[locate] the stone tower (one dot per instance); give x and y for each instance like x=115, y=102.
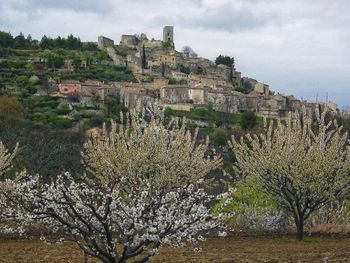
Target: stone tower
x=168, y=34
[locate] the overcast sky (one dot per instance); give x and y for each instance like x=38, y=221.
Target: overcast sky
x=299, y=47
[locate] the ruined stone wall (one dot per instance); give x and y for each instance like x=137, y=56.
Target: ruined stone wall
x=129, y=40
x=104, y=42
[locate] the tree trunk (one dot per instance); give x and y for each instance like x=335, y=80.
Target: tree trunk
x=300, y=229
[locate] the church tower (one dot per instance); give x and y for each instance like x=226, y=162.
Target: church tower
x=168, y=34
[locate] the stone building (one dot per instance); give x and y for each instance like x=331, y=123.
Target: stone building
x=218, y=100
x=168, y=59
x=95, y=92
x=179, y=76
x=211, y=81
x=129, y=40
x=253, y=100
x=224, y=72
x=227, y=101
x=104, y=42
x=261, y=88
x=168, y=34
x=70, y=88
x=249, y=84
x=137, y=98
x=293, y=104
x=174, y=94
x=197, y=95
x=272, y=106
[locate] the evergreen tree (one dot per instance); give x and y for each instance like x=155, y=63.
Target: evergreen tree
x=29, y=41
x=144, y=59
x=46, y=43
x=6, y=39
x=19, y=41
x=225, y=60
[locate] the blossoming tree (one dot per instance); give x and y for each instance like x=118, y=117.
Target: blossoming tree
x=5, y=158
x=143, y=187
x=301, y=164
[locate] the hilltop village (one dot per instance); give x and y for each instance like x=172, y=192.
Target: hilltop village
x=66, y=83
x=180, y=81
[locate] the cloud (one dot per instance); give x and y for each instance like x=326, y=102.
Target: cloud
x=296, y=46
x=224, y=18
x=33, y=6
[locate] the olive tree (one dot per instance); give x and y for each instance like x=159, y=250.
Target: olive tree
x=144, y=187
x=303, y=164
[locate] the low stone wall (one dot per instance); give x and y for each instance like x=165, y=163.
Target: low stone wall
x=180, y=107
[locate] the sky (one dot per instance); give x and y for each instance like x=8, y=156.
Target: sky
x=299, y=47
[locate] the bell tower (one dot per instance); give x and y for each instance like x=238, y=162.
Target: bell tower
x=168, y=34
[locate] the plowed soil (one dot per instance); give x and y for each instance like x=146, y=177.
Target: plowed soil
x=221, y=250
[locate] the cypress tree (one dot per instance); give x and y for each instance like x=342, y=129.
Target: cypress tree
x=144, y=59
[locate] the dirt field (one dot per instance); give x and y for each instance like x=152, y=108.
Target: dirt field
x=221, y=250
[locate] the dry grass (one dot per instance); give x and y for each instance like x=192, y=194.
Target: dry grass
x=219, y=250
x=330, y=229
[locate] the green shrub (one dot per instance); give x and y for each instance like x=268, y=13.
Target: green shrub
x=168, y=112
x=172, y=81
x=248, y=120
x=94, y=121
x=219, y=137
x=59, y=122
x=22, y=80
x=253, y=209
x=63, y=109
x=31, y=89
x=167, y=44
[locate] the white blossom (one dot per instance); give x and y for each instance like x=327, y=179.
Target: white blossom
x=143, y=187
x=302, y=164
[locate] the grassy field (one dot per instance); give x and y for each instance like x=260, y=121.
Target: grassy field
x=221, y=250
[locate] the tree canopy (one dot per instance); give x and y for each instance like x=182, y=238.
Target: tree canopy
x=225, y=60
x=20, y=42
x=302, y=164
x=144, y=187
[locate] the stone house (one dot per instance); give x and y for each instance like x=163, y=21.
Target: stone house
x=91, y=94
x=168, y=59
x=179, y=76
x=209, y=81
x=95, y=92
x=134, y=98
x=175, y=94
x=70, y=88
x=197, y=95
x=273, y=106
x=261, y=88
x=253, y=100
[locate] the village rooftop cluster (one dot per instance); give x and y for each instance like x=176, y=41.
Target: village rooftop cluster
x=180, y=81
